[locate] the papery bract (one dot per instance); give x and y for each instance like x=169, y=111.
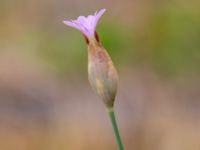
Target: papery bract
x=102, y=74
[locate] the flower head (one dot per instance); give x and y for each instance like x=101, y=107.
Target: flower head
x=87, y=25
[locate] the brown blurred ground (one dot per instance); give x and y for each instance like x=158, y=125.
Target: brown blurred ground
x=46, y=102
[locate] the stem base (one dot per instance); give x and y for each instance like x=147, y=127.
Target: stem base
x=115, y=128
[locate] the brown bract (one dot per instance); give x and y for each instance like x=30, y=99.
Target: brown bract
x=102, y=73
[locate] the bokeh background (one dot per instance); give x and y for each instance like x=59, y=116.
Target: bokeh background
x=46, y=102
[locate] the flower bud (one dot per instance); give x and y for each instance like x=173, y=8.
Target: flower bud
x=102, y=73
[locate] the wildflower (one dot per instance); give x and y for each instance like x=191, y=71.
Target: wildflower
x=102, y=73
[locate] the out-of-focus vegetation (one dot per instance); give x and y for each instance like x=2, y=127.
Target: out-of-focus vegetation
x=46, y=101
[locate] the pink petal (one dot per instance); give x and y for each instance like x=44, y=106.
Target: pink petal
x=87, y=25
x=98, y=15
x=72, y=24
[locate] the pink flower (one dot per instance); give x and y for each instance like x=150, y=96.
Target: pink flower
x=87, y=25
x=101, y=71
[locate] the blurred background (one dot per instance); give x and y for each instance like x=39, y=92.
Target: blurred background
x=46, y=102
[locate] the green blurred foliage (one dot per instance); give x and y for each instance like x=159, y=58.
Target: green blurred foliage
x=173, y=40
x=121, y=47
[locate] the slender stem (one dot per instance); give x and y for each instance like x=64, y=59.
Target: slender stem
x=115, y=128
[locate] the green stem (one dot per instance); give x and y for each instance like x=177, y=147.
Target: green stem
x=115, y=128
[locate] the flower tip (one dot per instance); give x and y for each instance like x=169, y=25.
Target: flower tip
x=99, y=13
x=67, y=22
x=102, y=10
x=64, y=21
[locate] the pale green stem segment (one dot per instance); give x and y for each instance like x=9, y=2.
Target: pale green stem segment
x=115, y=128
